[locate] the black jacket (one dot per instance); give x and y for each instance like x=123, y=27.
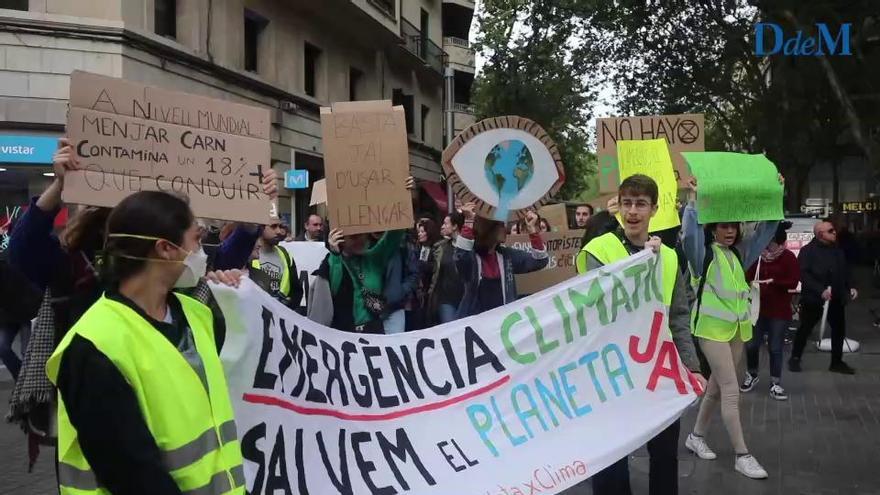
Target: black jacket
x=823, y=266
x=19, y=299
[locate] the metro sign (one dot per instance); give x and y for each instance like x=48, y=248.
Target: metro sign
x=296, y=179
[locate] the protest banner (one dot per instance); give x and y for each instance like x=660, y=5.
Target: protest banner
x=556, y=215
x=651, y=157
x=503, y=165
x=543, y=392
x=562, y=247
x=735, y=187
x=129, y=137
x=308, y=257
x=366, y=159
x=685, y=132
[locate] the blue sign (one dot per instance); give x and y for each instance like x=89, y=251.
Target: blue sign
x=801, y=45
x=296, y=179
x=27, y=149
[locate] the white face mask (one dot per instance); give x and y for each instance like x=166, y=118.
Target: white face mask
x=195, y=265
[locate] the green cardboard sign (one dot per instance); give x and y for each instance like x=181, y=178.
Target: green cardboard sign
x=735, y=187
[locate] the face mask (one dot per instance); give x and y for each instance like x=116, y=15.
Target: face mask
x=195, y=263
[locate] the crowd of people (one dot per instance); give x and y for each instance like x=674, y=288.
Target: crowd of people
x=112, y=290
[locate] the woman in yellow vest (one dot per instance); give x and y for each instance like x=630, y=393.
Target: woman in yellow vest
x=143, y=403
x=718, y=256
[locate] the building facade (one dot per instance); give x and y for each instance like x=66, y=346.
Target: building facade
x=290, y=56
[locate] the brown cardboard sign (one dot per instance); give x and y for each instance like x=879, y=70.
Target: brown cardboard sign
x=684, y=132
x=129, y=137
x=562, y=247
x=556, y=215
x=504, y=165
x=366, y=158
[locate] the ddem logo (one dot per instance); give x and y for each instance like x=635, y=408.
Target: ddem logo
x=803, y=45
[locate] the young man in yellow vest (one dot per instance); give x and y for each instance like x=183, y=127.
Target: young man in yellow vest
x=637, y=202
x=274, y=269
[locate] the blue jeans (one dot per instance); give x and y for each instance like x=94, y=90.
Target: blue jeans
x=7, y=356
x=446, y=312
x=774, y=329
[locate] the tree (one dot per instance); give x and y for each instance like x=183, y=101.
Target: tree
x=531, y=72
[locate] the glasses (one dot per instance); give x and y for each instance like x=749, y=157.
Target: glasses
x=640, y=205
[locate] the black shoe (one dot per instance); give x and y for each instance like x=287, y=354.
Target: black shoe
x=794, y=365
x=842, y=368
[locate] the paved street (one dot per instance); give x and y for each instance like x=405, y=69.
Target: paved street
x=823, y=441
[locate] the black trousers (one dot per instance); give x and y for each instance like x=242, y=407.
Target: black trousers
x=663, y=477
x=810, y=314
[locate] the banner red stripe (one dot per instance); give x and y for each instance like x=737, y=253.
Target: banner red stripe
x=317, y=411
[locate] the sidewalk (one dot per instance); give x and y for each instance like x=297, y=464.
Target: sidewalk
x=822, y=441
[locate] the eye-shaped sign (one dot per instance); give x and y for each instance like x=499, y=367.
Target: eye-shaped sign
x=503, y=165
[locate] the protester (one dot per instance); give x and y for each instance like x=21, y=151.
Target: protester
x=716, y=255
x=601, y=223
x=486, y=266
x=581, y=214
x=129, y=403
x=312, y=229
x=19, y=301
x=348, y=291
x=825, y=279
x=637, y=198
x=445, y=288
x=777, y=274
x=427, y=236
x=280, y=276
x=544, y=225
x=400, y=285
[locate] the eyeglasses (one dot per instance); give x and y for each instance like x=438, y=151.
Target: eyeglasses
x=640, y=205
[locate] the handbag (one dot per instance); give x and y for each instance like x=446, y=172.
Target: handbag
x=755, y=296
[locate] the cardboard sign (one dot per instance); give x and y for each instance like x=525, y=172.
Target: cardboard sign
x=533, y=397
x=130, y=137
x=319, y=193
x=367, y=163
x=504, y=165
x=562, y=247
x=735, y=187
x=684, y=132
x=651, y=157
x=556, y=216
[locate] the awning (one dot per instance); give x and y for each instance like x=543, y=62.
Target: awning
x=437, y=193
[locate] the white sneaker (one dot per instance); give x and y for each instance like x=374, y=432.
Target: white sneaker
x=748, y=382
x=749, y=467
x=698, y=446
x=777, y=392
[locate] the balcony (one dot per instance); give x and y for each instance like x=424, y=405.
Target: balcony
x=459, y=54
x=470, y=4
x=423, y=48
x=462, y=117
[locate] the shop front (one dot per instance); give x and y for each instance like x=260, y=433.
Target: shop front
x=25, y=171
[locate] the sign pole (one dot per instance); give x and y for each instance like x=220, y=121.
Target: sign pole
x=449, y=92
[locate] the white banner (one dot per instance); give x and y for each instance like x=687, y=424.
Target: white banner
x=533, y=397
x=308, y=257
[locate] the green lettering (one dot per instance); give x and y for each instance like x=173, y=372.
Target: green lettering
x=511, y=320
x=619, y=297
x=543, y=346
x=566, y=318
x=635, y=272
x=595, y=296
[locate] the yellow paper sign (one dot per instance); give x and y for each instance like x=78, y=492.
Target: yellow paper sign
x=651, y=157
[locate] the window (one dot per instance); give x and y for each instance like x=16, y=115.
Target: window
x=387, y=7
x=355, y=77
x=311, y=61
x=253, y=27
x=165, y=19
x=398, y=97
x=14, y=4
x=424, y=27
x=425, y=111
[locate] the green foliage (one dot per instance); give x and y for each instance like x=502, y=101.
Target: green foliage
x=531, y=72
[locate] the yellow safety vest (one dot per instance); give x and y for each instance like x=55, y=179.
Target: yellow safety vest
x=724, y=305
x=608, y=248
x=194, y=428
x=284, y=287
